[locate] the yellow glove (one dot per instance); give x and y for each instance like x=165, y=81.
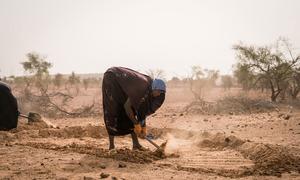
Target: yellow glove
x=137, y=129
x=144, y=132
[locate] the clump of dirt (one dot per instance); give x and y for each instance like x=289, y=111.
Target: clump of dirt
x=161, y=151
x=230, y=104
x=23, y=126
x=23, y=131
x=243, y=104
x=6, y=137
x=198, y=107
x=42, y=129
x=124, y=154
x=219, y=141
x=74, y=132
x=268, y=159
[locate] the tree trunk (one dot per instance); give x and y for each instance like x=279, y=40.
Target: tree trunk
x=273, y=98
x=273, y=95
x=275, y=91
x=295, y=94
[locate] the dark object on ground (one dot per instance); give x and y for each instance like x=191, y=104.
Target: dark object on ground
x=160, y=150
x=102, y=166
x=122, y=165
x=8, y=108
x=104, y=175
x=32, y=117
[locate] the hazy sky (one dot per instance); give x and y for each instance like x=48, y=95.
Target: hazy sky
x=88, y=36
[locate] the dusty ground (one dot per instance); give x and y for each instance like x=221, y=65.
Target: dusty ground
x=215, y=146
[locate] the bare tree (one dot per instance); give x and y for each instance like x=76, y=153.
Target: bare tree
x=211, y=76
x=58, y=80
x=196, y=82
x=201, y=79
x=156, y=73
x=227, y=81
x=74, y=81
x=86, y=83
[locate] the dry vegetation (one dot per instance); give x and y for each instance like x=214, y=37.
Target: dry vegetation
x=217, y=127
x=224, y=136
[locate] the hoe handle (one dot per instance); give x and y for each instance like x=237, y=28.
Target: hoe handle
x=24, y=116
x=153, y=143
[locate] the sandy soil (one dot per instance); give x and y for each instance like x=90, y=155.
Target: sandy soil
x=216, y=146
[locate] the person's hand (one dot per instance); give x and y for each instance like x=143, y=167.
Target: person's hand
x=137, y=129
x=143, y=132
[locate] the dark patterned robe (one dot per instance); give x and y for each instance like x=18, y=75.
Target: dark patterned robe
x=8, y=108
x=118, y=85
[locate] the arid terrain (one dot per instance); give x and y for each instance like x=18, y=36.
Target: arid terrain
x=243, y=144
x=222, y=75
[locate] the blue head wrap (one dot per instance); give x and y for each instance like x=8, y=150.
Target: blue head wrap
x=158, y=84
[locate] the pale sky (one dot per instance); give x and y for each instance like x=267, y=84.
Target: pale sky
x=89, y=36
